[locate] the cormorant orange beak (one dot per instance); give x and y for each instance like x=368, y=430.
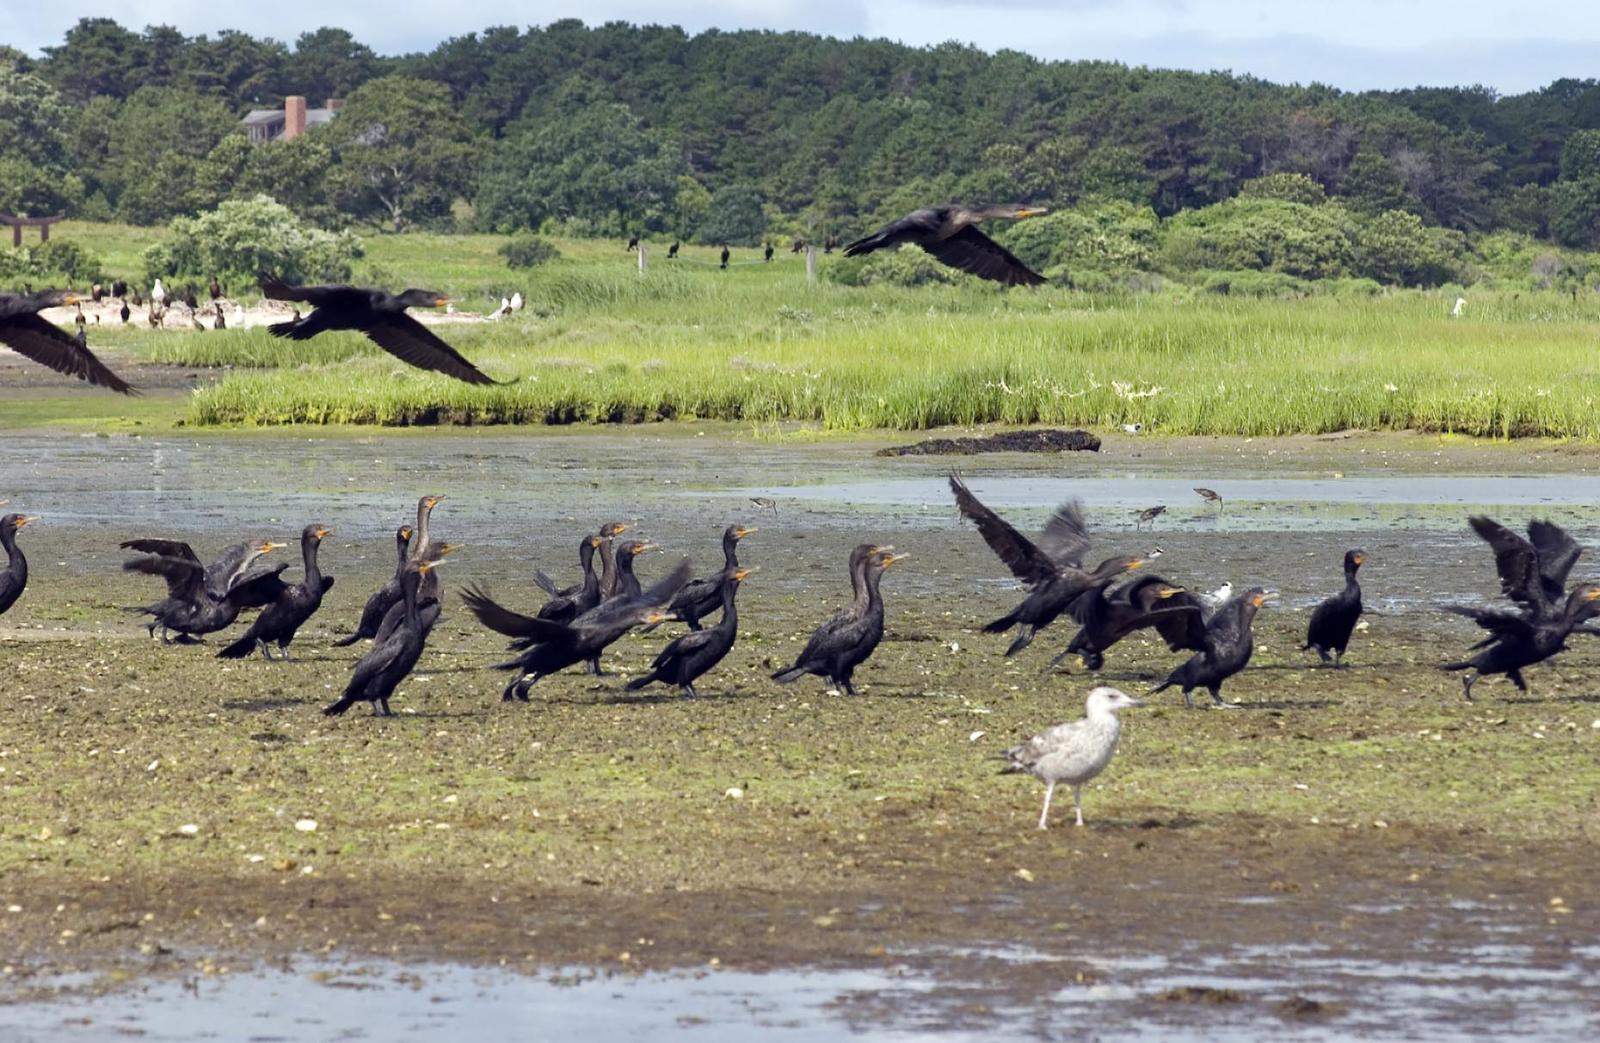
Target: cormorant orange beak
x=656, y=617
x=71, y=298
x=740, y=574
x=25, y=520
x=405, y=530
x=891, y=559
x=1361, y=559
x=440, y=302
x=323, y=534
x=447, y=549
x=1262, y=599
x=1167, y=592
x=640, y=548
x=1136, y=563
x=595, y=541
x=741, y=532
x=1033, y=211
x=433, y=501
x=1592, y=595
x=269, y=546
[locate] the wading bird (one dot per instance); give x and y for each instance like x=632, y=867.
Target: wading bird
x=848, y=639
x=693, y=655
x=1149, y=514
x=1074, y=752
x=1533, y=571
x=950, y=233
x=1209, y=496
x=1051, y=569
x=672, y=251
x=25, y=332
x=391, y=660
x=14, y=577
x=1228, y=647
x=291, y=606
x=386, y=597
x=725, y=256
x=381, y=316
x=1334, y=620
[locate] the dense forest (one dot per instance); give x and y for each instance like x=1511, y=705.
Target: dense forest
x=733, y=136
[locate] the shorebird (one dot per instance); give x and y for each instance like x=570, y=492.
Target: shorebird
x=1209, y=496
x=766, y=503
x=1150, y=514
x=1074, y=752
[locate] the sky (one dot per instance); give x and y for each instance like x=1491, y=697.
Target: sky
x=1353, y=44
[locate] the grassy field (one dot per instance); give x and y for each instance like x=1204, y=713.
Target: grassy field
x=599, y=342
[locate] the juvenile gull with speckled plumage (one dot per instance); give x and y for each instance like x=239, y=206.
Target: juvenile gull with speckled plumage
x=1074, y=752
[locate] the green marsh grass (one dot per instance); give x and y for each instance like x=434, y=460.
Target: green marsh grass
x=599, y=342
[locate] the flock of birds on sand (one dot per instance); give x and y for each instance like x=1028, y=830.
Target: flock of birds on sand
x=579, y=622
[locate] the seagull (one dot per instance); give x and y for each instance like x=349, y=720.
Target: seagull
x=504, y=309
x=516, y=300
x=1216, y=599
x=1210, y=496
x=1133, y=429
x=1461, y=302
x=1074, y=752
x=157, y=294
x=1150, y=514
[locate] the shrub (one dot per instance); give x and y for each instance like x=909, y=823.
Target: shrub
x=528, y=251
x=909, y=266
x=244, y=237
x=1255, y=284
x=70, y=259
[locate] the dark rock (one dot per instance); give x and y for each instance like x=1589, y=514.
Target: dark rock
x=1050, y=440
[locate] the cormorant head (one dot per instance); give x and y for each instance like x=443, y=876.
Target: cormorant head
x=315, y=532
x=1166, y=591
x=610, y=529
x=1259, y=597
x=405, y=533
x=1355, y=559
x=887, y=558
x=423, y=299
x=1029, y=211
x=739, y=532
x=634, y=548
x=444, y=550
x=592, y=542
x=17, y=522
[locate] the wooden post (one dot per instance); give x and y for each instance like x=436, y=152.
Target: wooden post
x=16, y=236
x=19, y=223
x=811, y=263
x=641, y=258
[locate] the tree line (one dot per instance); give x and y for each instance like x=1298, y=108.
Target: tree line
x=733, y=136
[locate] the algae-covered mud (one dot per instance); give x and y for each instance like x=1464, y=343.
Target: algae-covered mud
x=188, y=847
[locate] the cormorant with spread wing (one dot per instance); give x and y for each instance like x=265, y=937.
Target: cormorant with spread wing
x=25, y=332
x=950, y=233
x=381, y=316
x=1106, y=620
x=1052, y=569
x=1228, y=647
x=202, y=599
x=290, y=608
x=1519, y=639
x=1533, y=571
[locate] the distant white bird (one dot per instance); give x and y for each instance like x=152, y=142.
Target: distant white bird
x=516, y=300
x=1216, y=599
x=238, y=316
x=1074, y=752
x=1133, y=429
x=158, y=294
x=1461, y=302
x=504, y=309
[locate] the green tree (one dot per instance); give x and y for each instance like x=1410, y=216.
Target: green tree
x=153, y=148
x=735, y=218
x=1580, y=156
x=1290, y=188
x=1396, y=248
x=691, y=202
x=590, y=159
x=1371, y=185
x=1575, y=213
x=1243, y=234
x=328, y=63
x=403, y=156
x=244, y=237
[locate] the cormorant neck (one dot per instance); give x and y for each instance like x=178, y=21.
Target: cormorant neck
x=730, y=614
x=730, y=551
x=402, y=549
x=308, y=555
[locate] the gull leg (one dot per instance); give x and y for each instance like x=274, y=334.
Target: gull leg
x=1044, y=816
x=1077, y=802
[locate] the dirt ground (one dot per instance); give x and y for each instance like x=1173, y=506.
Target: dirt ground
x=158, y=803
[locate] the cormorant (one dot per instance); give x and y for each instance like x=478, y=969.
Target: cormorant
x=725, y=256
x=25, y=332
x=766, y=255
x=1105, y=621
x=201, y=599
x=1074, y=752
x=1210, y=496
x=950, y=233
x=125, y=311
x=292, y=606
x=119, y=288
x=216, y=289
x=1533, y=571
x=388, y=662
x=1334, y=620
x=381, y=316
x=694, y=654
x=830, y=244
x=14, y=577
x=1052, y=569
x=797, y=246
x=549, y=647
x=387, y=596
x=701, y=597
x=850, y=637
x=190, y=299
x=633, y=242
x=1150, y=514
x=96, y=292
x=1519, y=639
x=1228, y=648
x=672, y=251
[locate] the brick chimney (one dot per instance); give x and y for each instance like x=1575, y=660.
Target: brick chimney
x=294, y=116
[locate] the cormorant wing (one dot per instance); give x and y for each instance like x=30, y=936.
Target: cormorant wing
x=411, y=342
x=260, y=588
x=1514, y=558
x=1065, y=537
x=683, y=646
x=1026, y=561
x=275, y=289
x=49, y=345
x=512, y=624
x=229, y=566
x=1226, y=627
x=975, y=253
x=546, y=584
x=640, y=605
x=1501, y=623
x=912, y=228
x=165, y=548
x=1558, y=552
x=184, y=577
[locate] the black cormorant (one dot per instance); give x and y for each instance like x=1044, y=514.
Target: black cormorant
x=389, y=661
x=387, y=596
x=1229, y=645
x=14, y=577
x=1519, y=639
x=1334, y=620
x=291, y=608
x=201, y=599
x=693, y=654
x=25, y=332
x=850, y=637
x=701, y=597
x=381, y=316
x=950, y=233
